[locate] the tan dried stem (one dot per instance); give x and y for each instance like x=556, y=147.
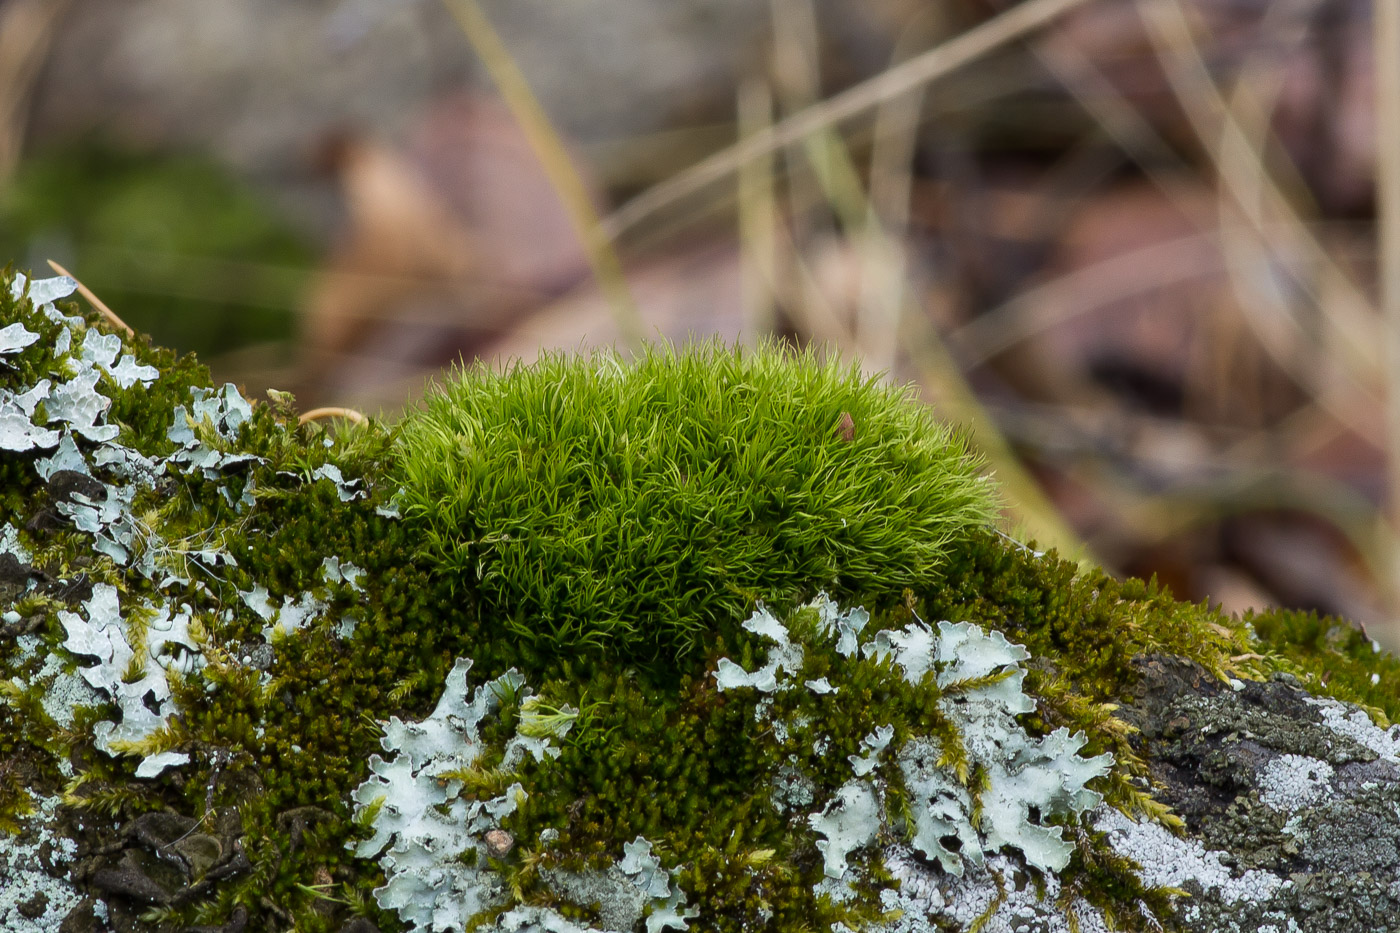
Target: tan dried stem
x=96, y=302
x=27, y=28
x=1246, y=179
x=884, y=264
x=1016, y=23
x=1278, y=334
x=1387, y=55
x=318, y=414
x=758, y=217
x=554, y=159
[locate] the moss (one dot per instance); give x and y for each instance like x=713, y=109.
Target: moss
x=1333, y=657
x=631, y=508
x=280, y=729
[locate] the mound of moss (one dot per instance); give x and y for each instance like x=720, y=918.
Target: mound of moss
x=633, y=506
x=710, y=641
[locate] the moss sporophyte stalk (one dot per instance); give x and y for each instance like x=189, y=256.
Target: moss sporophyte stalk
x=709, y=640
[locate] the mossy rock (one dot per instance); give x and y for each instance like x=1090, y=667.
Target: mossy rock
x=711, y=640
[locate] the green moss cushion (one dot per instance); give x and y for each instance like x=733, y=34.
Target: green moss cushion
x=709, y=640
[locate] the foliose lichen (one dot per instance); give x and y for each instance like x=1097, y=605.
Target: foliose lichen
x=225, y=636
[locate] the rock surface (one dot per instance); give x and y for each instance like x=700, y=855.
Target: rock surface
x=234, y=700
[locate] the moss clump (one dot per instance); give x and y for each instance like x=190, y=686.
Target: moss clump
x=763, y=456
x=584, y=502
x=1331, y=656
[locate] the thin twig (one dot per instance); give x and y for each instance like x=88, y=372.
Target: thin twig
x=939, y=373
x=96, y=302
x=316, y=414
x=1120, y=277
x=1015, y=23
x=554, y=159
x=884, y=263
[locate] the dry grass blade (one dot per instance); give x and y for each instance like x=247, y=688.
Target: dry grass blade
x=27, y=28
x=929, y=66
x=838, y=180
x=1040, y=519
x=1243, y=173
x=96, y=302
x=884, y=263
x=757, y=217
x=1387, y=46
x=1104, y=283
x=554, y=159
x=1335, y=390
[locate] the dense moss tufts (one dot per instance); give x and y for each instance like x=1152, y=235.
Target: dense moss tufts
x=708, y=480
x=633, y=506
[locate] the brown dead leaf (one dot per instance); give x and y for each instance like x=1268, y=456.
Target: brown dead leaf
x=449, y=239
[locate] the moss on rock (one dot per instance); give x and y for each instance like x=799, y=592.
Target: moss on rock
x=262, y=675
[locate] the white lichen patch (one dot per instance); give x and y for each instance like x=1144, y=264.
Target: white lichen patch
x=432, y=840
x=282, y=620
x=1291, y=782
x=1026, y=781
x=422, y=818
x=18, y=432
x=1171, y=862
x=347, y=490
x=134, y=676
x=421, y=823
x=15, y=337
x=11, y=544
x=988, y=898
x=44, y=292
x=333, y=571
x=1353, y=723
x=784, y=657
x=35, y=896
x=63, y=692
x=667, y=901
x=846, y=823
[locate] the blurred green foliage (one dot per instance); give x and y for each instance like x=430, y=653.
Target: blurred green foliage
x=175, y=245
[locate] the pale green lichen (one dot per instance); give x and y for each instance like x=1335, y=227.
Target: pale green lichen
x=978, y=679
x=261, y=573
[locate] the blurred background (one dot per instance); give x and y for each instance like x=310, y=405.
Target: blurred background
x=1132, y=245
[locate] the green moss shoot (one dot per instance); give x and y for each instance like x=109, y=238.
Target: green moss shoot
x=584, y=501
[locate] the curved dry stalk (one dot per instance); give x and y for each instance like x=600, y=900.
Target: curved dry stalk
x=884, y=262
x=316, y=414
x=938, y=372
x=757, y=217
x=96, y=302
x=1131, y=131
x=1015, y=23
